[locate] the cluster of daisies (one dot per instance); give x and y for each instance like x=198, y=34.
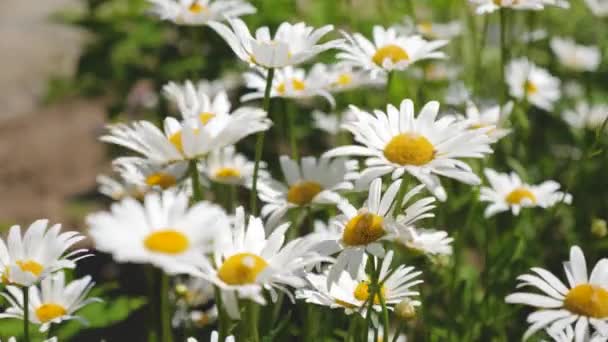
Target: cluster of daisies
x=330, y=228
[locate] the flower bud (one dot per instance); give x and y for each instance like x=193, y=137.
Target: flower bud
x=405, y=310
x=599, y=228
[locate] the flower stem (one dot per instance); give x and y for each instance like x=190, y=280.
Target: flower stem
x=253, y=311
x=223, y=320
x=164, y=308
x=197, y=195
x=503, y=53
x=371, y=295
x=293, y=142
x=26, y=314
x=399, y=198
x=385, y=320
x=259, y=145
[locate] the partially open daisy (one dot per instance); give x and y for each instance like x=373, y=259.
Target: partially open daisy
x=340, y=77
x=438, y=30
x=576, y=57
x=310, y=181
x=54, y=302
x=583, y=302
x=288, y=82
x=425, y=241
x=292, y=44
x=226, y=166
x=389, y=50
x=489, y=6
x=509, y=192
x=163, y=230
x=26, y=260
x=529, y=82
x=426, y=147
x=493, y=117
x=189, y=139
x=364, y=229
x=199, y=12
x=149, y=176
x=351, y=294
x=331, y=123
x=117, y=188
x=586, y=116
x=193, y=101
x=246, y=261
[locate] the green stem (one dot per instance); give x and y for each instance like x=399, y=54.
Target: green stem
x=223, y=319
x=259, y=145
x=412, y=10
x=197, y=194
x=503, y=53
x=26, y=314
x=253, y=311
x=164, y=308
x=385, y=320
x=371, y=294
x=399, y=198
x=389, y=84
x=293, y=141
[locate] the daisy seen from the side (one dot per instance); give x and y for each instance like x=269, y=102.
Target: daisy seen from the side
x=199, y=12
x=529, y=82
x=574, y=56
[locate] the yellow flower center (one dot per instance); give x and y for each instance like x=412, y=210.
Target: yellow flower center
x=362, y=292
x=531, y=88
x=518, y=195
x=241, y=269
x=168, y=241
x=296, y=84
x=30, y=266
x=303, y=192
x=49, y=311
x=161, y=179
x=344, y=79
x=195, y=7
x=393, y=52
x=588, y=300
x=409, y=149
x=227, y=172
x=205, y=117
x=363, y=229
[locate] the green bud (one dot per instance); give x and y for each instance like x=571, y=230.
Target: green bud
x=599, y=228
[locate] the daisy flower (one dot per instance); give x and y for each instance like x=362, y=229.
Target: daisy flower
x=389, y=50
x=310, y=181
x=118, y=188
x=292, y=44
x=436, y=72
x=190, y=139
x=598, y=7
x=331, y=123
x=426, y=241
x=149, y=176
x=586, y=116
x=351, y=293
x=574, y=56
x=364, y=229
x=162, y=231
x=492, y=116
x=529, y=82
x=447, y=30
x=339, y=77
x=457, y=94
x=193, y=102
x=509, y=192
x=54, y=302
x=215, y=337
x=288, y=82
x=246, y=261
x=489, y=6
x=226, y=166
x=26, y=260
x=199, y=12
x=561, y=334
x=425, y=147
x=583, y=302
x=371, y=335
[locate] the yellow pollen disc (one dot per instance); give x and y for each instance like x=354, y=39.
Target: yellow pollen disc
x=227, y=172
x=162, y=179
x=197, y=8
x=30, y=266
x=303, y=192
x=362, y=292
x=409, y=149
x=518, y=195
x=531, y=88
x=205, y=117
x=344, y=79
x=241, y=269
x=393, y=52
x=363, y=229
x=49, y=311
x=168, y=241
x=5, y=276
x=295, y=83
x=588, y=300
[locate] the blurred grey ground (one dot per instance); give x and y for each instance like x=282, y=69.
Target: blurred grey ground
x=47, y=154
